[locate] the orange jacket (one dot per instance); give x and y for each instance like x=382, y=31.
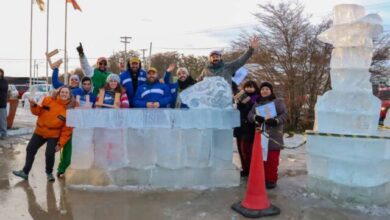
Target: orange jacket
x=51, y=121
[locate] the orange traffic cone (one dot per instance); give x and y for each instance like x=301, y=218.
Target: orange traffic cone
x=255, y=203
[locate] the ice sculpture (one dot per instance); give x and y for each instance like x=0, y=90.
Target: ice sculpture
x=350, y=164
x=350, y=105
x=157, y=147
x=212, y=92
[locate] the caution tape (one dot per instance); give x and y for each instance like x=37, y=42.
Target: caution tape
x=346, y=135
x=326, y=135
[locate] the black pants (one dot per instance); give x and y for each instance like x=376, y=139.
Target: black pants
x=35, y=143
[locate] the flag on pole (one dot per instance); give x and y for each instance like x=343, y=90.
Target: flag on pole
x=74, y=3
x=41, y=5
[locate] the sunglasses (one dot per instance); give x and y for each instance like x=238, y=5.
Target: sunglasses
x=103, y=64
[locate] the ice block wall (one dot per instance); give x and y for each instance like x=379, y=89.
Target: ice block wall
x=153, y=147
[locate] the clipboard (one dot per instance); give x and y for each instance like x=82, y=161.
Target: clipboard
x=267, y=111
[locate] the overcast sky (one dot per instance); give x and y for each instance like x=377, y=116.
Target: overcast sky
x=187, y=26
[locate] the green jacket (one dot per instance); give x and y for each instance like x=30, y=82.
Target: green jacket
x=98, y=80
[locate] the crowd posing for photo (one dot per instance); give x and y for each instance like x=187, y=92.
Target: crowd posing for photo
x=140, y=88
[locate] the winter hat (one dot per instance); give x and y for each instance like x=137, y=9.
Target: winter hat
x=267, y=98
x=74, y=76
x=152, y=69
x=100, y=59
x=182, y=69
x=134, y=60
x=267, y=84
x=215, y=52
x=113, y=77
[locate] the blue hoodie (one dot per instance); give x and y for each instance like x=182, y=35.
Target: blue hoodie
x=152, y=92
x=82, y=93
x=126, y=82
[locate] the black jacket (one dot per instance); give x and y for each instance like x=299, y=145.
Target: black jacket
x=3, y=93
x=246, y=131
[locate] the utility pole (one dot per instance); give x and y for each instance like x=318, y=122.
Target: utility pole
x=150, y=54
x=65, y=46
x=47, y=40
x=143, y=57
x=34, y=68
x=125, y=40
x=31, y=39
x=37, y=73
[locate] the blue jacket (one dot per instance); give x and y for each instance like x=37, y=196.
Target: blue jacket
x=57, y=83
x=82, y=93
x=155, y=92
x=127, y=83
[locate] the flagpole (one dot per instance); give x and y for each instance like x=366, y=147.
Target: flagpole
x=47, y=41
x=31, y=36
x=66, y=53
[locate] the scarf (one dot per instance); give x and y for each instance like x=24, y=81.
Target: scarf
x=186, y=83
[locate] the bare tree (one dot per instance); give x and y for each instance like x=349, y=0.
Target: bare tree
x=292, y=58
x=380, y=71
x=194, y=64
x=116, y=58
x=162, y=60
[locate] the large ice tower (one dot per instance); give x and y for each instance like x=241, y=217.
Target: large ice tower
x=348, y=156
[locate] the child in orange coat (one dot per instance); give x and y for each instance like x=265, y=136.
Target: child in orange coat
x=50, y=128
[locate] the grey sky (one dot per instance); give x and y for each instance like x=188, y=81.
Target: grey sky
x=168, y=24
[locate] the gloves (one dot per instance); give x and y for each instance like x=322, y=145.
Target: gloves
x=272, y=122
x=259, y=119
x=80, y=49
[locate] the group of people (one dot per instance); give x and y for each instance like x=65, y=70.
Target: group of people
x=138, y=88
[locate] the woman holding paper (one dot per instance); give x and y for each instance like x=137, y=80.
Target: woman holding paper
x=245, y=134
x=270, y=114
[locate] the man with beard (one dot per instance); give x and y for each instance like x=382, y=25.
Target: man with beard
x=152, y=94
x=133, y=77
x=97, y=75
x=184, y=80
x=217, y=67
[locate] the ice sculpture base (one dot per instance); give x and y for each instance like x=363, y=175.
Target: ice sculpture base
x=160, y=148
x=158, y=177
x=350, y=169
x=347, y=112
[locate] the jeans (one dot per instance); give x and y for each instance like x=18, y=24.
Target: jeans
x=3, y=122
x=35, y=143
